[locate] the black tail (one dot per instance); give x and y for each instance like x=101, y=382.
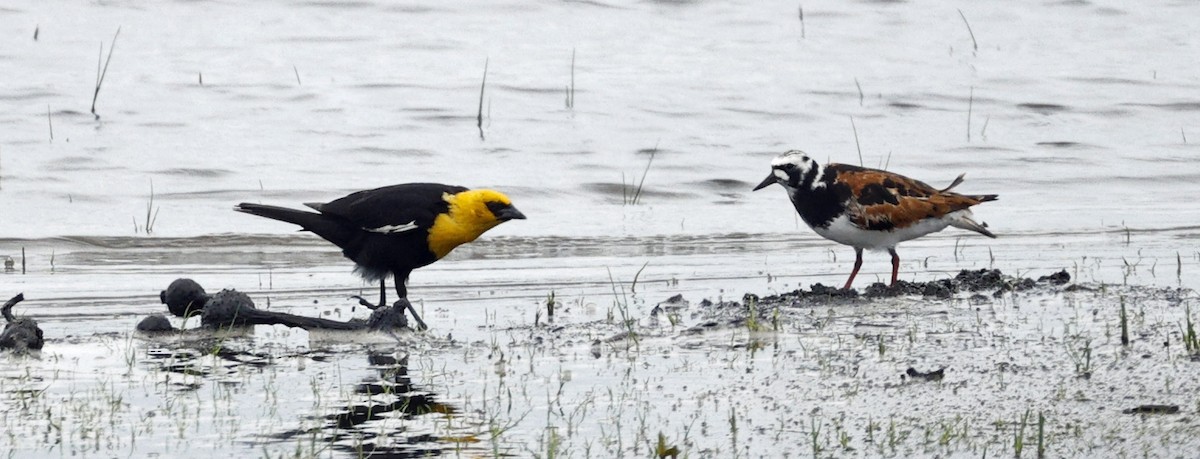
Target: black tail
x=284, y=214
x=333, y=229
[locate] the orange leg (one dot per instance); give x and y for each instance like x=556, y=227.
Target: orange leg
x=857, y=264
x=895, y=265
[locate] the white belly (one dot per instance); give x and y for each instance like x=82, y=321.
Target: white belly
x=844, y=232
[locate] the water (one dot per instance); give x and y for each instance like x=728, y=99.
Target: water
x=1078, y=114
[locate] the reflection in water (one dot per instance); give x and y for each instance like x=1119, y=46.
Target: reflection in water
x=361, y=427
x=208, y=357
x=385, y=415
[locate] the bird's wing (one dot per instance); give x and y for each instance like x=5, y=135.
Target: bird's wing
x=882, y=200
x=392, y=209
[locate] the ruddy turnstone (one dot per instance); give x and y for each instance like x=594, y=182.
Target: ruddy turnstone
x=870, y=208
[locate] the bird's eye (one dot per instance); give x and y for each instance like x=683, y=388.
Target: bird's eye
x=789, y=166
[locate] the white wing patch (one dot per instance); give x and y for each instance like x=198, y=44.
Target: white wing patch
x=391, y=229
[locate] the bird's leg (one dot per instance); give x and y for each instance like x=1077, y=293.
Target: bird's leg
x=401, y=281
x=895, y=265
x=857, y=264
x=382, y=296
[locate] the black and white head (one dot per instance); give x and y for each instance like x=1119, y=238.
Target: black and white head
x=792, y=169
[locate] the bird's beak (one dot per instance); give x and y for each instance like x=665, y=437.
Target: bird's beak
x=510, y=213
x=771, y=180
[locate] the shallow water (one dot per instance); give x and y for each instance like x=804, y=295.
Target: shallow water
x=1076, y=113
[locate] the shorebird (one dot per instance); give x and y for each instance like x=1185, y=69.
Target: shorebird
x=870, y=208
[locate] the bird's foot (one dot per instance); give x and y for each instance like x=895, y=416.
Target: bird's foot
x=363, y=301
x=407, y=305
x=387, y=318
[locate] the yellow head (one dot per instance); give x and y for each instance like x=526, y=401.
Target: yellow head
x=470, y=214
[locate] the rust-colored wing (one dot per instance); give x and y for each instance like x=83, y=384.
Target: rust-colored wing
x=882, y=200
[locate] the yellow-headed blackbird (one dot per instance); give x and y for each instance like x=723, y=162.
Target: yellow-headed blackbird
x=398, y=228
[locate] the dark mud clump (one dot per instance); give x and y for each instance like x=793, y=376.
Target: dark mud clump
x=184, y=297
x=155, y=323
x=1152, y=409
x=935, y=375
x=20, y=333
x=983, y=280
x=1058, y=278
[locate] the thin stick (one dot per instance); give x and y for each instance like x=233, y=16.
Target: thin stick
x=479, y=117
x=22, y=260
x=571, y=94
x=964, y=18
x=101, y=73
x=36, y=28
x=201, y=76
x=860, y=93
x=50, y=122
x=638, y=193
x=624, y=189
x=802, y=21
x=297, y=71
x=983, y=131
x=1182, y=134
x=633, y=287
x=889, y=160
x=856, y=144
x=970, y=106
x=8, y=305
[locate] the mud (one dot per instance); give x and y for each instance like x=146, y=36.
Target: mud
x=20, y=333
x=991, y=281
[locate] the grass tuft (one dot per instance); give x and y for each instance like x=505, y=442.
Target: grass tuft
x=1019, y=435
x=151, y=215
x=101, y=73
x=663, y=450
x=1041, y=436
x=1190, y=341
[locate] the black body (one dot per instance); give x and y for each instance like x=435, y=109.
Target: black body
x=347, y=222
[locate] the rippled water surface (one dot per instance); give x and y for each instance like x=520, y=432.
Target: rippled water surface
x=1084, y=116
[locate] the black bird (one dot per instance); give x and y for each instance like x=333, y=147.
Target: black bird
x=398, y=228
